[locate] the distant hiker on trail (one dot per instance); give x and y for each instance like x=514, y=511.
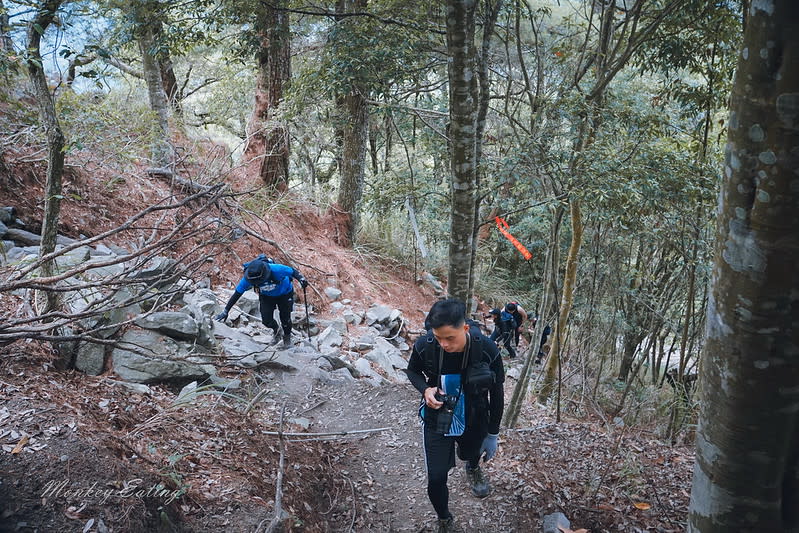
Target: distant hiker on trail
x=272, y=282
x=544, y=335
x=460, y=375
x=504, y=326
x=519, y=316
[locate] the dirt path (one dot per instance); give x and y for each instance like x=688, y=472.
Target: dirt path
x=387, y=468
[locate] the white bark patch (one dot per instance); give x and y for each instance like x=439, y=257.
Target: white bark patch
x=756, y=133
x=762, y=5
x=716, y=328
x=707, y=498
x=767, y=157
x=735, y=163
x=733, y=120
x=788, y=109
x=740, y=212
x=742, y=251
x=761, y=365
x=764, y=53
x=763, y=196
x=745, y=53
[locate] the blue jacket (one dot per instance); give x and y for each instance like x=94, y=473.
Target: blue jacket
x=278, y=284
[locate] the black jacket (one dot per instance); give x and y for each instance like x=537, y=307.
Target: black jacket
x=423, y=372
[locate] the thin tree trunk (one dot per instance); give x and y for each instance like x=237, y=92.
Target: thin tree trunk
x=746, y=476
x=549, y=290
x=567, y=300
x=462, y=132
x=6, y=44
x=45, y=15
x=161, y=149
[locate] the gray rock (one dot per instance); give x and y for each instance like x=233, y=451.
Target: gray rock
x=135, y=387
x=21, y=236
x=329, y=338
x=553, y=522
x=433, y=283
x=336, y=306
x=378, y=314
x=351, y=317
x=73, y=258
x=3, y=229
x=102, y=272
x=90, y=358
x=166, y=359
x=280, y=360
x=368, y=373
x=332, y=293
x=237, y=344
x=304, y=423
x=7, y=215
x=159, y=272
x=175, y=324
x=342, y=374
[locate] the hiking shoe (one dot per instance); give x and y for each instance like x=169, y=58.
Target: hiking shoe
x=287, y=341
x=276, y=338
x=447, y=525
x=477, y=481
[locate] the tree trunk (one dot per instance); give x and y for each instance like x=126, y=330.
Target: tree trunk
x=170, y=83
x=548, y=295
x=161, y=149
x=569, y=282
x=462, y=133
x=6, y=44
x=746, y=476
x=482, y=99
x=45, y=16
x=267, y=149
x=354, y=140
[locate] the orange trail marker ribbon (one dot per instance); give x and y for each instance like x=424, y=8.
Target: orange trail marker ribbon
x=502, y=226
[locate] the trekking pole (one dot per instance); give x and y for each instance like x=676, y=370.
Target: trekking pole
x=307, y=319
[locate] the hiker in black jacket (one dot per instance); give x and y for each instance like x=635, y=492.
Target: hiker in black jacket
x=460, y=375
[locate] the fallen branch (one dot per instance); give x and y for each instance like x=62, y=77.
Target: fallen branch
x=278, y=518
x=332, y=434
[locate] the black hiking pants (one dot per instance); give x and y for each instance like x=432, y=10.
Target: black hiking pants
x=439, y=456
x=284, y=304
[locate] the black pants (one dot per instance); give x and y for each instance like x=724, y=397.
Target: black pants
x=439, y=455
x=285, y=305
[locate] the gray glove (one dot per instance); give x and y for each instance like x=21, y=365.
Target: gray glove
x=489, y=446
x=221, y=317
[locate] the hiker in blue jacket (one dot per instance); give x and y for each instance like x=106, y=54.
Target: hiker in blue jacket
x=504, y=327
x=272, y=282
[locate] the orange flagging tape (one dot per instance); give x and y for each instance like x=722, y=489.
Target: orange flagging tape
x=502, y=227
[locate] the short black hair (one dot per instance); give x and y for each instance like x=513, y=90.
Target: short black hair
x=449, y=312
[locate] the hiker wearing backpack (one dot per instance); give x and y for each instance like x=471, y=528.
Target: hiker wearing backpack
x=504, y=326
x=519, y=316
x=460, y=375
x=272, y=282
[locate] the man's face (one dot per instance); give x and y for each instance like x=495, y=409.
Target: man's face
x=451, y=338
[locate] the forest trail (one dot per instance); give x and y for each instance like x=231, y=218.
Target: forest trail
x=387, y=468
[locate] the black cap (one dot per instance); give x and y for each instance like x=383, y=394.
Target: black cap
x=494, y=311
x=257, y=272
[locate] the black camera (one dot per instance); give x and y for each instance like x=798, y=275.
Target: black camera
x=445, y=412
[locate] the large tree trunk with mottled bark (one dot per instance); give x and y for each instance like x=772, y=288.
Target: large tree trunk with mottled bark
x=353, y=133
x=145, y=14
x=746, y=476
x=462, y=130
x=267, y=150
x=45, y=15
